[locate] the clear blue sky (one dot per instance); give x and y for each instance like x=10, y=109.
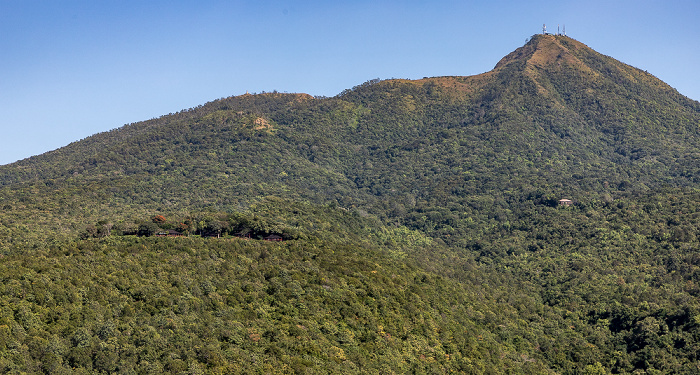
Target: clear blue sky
x=70, y=69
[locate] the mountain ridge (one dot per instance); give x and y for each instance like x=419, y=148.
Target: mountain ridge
x=541, y=51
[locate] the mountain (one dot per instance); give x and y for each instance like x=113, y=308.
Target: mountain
x=421, y=224
x=553, y=119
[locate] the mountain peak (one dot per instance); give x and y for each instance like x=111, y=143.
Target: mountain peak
x=544, y=50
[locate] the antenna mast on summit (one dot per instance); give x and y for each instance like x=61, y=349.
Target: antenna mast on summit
x=564, y=31
x=544, y=29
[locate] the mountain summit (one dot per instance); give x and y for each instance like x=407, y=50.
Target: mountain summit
x=568, y=65
x=543, y=50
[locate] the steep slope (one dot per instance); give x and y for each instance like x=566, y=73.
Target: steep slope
x=557, y=112
x=637, y=118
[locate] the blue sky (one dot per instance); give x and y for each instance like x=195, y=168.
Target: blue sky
x=70, y=69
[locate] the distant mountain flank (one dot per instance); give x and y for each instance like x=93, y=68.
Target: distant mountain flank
x=574, y=118
x=553, y=115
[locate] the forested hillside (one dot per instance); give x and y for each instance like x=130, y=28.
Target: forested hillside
x=419, y=230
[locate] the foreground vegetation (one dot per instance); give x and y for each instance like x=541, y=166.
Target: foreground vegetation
x=564, y=289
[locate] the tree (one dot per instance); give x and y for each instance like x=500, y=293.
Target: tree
x=148, y=229
x=158, y=219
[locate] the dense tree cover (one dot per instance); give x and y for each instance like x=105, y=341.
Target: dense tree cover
x=421, y=226
x=345, y=300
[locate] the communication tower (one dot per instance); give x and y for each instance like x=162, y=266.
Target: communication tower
x=544, y=29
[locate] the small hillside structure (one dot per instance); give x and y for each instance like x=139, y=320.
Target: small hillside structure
x=273, y=237
x=566, y=202
x=169, y=233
